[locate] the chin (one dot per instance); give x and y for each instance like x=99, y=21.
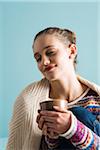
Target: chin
x=53, y=78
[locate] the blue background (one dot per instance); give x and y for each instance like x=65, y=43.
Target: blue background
x=19, y=22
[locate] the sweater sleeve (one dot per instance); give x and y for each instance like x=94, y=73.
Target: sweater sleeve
x=18, y=126
x=81, y=136
x=24, y=133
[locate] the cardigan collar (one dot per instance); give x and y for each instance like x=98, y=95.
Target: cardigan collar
x=89, y=84
x=45, y=91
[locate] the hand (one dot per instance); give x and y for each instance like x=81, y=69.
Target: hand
x=56, y=121
x=40, y=121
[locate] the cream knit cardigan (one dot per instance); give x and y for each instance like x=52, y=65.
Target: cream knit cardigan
x=24, y=132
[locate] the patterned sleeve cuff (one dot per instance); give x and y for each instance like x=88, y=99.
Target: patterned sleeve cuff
x=71, y=131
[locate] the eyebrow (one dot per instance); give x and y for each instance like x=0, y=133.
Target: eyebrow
x=46, y=47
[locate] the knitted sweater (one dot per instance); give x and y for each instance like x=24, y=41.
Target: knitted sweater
x=84, y=128
x=24, y=132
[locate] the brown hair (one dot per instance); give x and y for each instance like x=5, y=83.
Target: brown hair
x=67, y=36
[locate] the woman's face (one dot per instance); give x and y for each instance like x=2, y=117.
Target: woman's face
x=53, y=57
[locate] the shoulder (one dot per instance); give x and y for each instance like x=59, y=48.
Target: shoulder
x=34, y=87
x=89, y=84
x=26, y=100
x=32, y=90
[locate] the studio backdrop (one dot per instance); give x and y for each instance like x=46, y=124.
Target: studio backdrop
x=19, y=22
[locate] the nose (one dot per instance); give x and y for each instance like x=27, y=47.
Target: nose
x=45, y=61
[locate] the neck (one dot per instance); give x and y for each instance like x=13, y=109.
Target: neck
x=67, y=89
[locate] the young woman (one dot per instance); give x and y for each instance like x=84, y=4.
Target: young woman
x=76, y=128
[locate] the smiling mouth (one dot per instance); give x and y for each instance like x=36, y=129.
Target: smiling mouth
x=49, y=68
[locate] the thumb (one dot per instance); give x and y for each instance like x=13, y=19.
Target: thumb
x=63, y=110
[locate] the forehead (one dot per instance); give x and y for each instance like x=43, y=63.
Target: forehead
x=45, y=40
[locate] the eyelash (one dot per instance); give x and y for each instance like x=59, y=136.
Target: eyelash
x=38, y=59
x=50, y=53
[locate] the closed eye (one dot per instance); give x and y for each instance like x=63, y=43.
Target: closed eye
x=38, y=57
x=38, y=60
x=50, y=53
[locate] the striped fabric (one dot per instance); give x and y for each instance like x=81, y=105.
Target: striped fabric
x=80, y=135
x=24, y=133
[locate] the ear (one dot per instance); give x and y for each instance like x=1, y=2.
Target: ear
x=72, y=51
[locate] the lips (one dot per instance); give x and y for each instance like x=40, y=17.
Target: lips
x=48, y=68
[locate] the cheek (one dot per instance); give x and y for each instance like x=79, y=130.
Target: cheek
x=62, y=60
x=39, y=67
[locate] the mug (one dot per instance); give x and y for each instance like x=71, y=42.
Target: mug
x=48, y=105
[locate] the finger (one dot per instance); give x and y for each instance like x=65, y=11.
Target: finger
x=41, y=122
x=49, y=119
x=38, y=118
x=60, y=109
x=51, y=134
x=50, y=125
x=44, y=129
x=53, y=127
x=49, y=113
x=53, y=131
